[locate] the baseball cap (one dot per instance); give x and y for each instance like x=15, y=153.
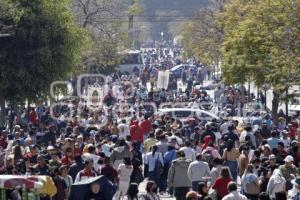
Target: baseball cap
x=272, y=156
x=289, y=159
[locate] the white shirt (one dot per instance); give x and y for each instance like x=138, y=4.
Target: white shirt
x=150, y=160
x=276, y=184
x=224, y=127
x=243, y=137
x=286, y=142
x=197, y=170
x=124, y=130
x=124, y=172
x=234, y=196
x=189, y=153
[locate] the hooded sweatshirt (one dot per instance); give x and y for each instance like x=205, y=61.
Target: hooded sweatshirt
x=177, y=176
x=276, y=183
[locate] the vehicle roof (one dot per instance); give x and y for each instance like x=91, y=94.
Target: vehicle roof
x=187, y=109
x=181, y=65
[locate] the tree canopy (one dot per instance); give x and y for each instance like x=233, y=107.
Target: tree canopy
x=264, y=44
x=45, y=46
x=203, y=37
x=102, y=20
x=259, y=42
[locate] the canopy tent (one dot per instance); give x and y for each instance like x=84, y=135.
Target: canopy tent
x=38, y=184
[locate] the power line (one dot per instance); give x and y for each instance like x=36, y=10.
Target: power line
x=157, y=19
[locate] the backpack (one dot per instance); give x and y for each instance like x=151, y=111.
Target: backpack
x=159, y=168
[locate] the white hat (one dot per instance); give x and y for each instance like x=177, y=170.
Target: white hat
x=272, y=156
x=49, y=148
x=289, y=159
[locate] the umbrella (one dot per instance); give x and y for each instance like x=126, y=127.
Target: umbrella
x=80, y=190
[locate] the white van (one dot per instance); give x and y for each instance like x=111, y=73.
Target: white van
x=184, y=113
x=294, y=105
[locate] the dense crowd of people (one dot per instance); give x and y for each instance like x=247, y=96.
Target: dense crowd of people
x=253, y=157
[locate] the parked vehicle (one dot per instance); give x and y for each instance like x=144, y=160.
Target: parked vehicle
x=178, y=69
x=184, y=113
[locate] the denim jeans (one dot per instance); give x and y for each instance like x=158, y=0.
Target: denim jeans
x=153, y=177
x=233, y=167
x=180, y=192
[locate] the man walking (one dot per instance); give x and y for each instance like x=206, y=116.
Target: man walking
x=197, y=171
x=178, y=178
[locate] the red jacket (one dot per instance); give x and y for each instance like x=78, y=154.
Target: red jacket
x=65, y=160
x=33, y=117
x=146, y=126
x=3, y=142
x=136, y=132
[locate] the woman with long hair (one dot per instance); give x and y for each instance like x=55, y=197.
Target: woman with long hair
x=124, y=171
x=221, y=183
x=17, y=154
x=230, y=156
x=137, y=161
x=250, y=183
x=154, y=162
x=202, y=190
x=151, y=189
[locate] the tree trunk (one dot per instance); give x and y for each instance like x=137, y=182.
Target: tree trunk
x=249, y=92
x=275, y=105
x=287, y=103
x=2, y=111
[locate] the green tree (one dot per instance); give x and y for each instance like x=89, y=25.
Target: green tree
x=102, y=20
x=9, y=16
x=203, y=37
x=262, y=44
x=45, y=46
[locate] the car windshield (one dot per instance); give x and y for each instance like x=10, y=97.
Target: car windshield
x=182, y=114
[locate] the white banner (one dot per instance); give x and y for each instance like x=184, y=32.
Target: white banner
x=95, y=97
